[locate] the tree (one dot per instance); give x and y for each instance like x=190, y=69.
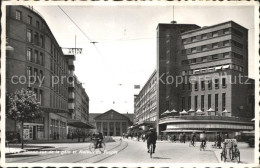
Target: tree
x=23, y=106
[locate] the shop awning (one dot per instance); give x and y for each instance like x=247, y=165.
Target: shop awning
x=182, y=131
x=80, y=124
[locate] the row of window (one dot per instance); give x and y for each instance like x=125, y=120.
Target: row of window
x=38, y=93
x=212, y=35
x=212, y=69
x=187, y=106
x=35, y=38
x=203, y=84
x=34, y=74
x=18, y=16
x=209, y=58
x=58, y=102
x=216, y=45
x=37, y=57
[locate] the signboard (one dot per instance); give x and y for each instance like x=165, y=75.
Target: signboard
x=26, y=133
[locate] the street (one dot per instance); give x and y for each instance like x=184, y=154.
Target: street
x=125, y=151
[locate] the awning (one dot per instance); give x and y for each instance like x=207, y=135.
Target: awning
x=218, y=68
x=80, y=124
x=226, y=66
x=182, y=131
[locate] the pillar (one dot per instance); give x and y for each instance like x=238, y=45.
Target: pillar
x=121, y=127
x=101, y=127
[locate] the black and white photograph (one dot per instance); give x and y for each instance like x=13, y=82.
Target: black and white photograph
x=140, y=84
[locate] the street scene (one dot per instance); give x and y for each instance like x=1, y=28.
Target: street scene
x=130, y=84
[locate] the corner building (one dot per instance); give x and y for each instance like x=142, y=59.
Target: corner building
x=202, y=79
x=37, y=54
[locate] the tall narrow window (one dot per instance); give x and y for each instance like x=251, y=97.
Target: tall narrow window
x=41, y=74
x=29, y=54
x=41, y=42
x=216, y=102
x=216, y=83
x=209, y=101
x=36, y=56
x=29, y=20
x=29, y=71
x=223, y=101
x=189, y=102
x=183, y=103
x=202, y=102
x=37, y=24
x=189, y=86
x=36, y=38
x=41, y=59
x=29, y=35
x=196, y=85
x=196, y=103
x=209, y=84
x=40, y=96
x=202, y=85
x=224, y=82
x=18, y=15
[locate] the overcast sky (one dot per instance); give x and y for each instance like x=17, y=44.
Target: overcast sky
x=126, y=37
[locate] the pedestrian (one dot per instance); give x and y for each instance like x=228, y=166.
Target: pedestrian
x=184, y=137
x=180, y=137
x=72, y=136
x=18, y=137
x=219, y=139
x=83, y=136
x=174, y=138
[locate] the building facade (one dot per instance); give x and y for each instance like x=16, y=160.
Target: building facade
x=111, y=123
x=145, y=104
x=38, y=63
x=202, y=79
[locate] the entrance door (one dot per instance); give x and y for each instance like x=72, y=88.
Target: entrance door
x=34, y=132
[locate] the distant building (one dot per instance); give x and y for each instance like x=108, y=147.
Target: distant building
x=205, y=59
x=111, y=123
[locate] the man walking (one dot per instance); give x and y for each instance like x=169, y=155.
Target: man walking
x=151, y=139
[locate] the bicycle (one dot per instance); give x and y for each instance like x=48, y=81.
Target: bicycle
x=192, y=143
x=92, y=146
x=203, y=147
x=234, y=153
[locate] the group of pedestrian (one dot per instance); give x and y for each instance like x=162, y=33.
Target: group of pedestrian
x=182, y=137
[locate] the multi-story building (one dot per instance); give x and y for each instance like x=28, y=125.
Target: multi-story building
x=145, y=104
x=78, y=117
x=37, y=55
x=196, y=73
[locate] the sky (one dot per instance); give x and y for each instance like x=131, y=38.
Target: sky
x=125, y=54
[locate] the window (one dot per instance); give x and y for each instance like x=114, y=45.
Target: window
x=29, y=71
x=214, y=57
x=41, y=75
x=193, y=50
x=189, y=102
x=193, y=39
x=35, y=72
x=204, y=59
x=215, y=34
x=36, y=38
x=237, y=56
x=224, y=82
x=193, y=61
x=223, y=101
x=216, y=83
x=41, y=59
x=209, y=84
x=41, y=41
x=215, y=45
x=204, y=47
x=37, y=24
x=216, y=102
x=29, y=20
x=226, y=43
x=29, y=35
x=237, y=44
x=35, y=56
x=184, y=41
x=202, y=102
x=196, y=85
x=196, y=103
x=226, y=31
x=226, y=55
x=36, y=92
x=18, y=15
x=202, y=85
x=183, y=103
x=29, y=54
x=209, y=101
x=203, y=36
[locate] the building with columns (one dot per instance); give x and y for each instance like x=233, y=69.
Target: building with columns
x=111, y=123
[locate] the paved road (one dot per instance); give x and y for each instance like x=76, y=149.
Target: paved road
x=125, y=151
